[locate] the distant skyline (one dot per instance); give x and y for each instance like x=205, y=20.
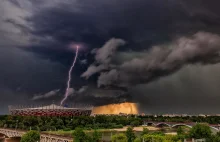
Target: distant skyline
x=161, y=54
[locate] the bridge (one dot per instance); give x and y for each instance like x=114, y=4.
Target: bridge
x=215, y=127
x=43, y=137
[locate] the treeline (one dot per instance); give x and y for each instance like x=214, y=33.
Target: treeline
x=90, y=122
x=185, y=119
x=68, y=123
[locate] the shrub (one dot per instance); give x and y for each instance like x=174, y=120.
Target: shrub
x=31, y=136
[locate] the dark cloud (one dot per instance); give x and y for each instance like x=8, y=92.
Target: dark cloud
x=103, y=57
x=23, y=74
x=139, y=22
x=82, y=89
x=164, y=60
x=98, y=96
x=83, y=62
x=193, y=89
x=46, y=95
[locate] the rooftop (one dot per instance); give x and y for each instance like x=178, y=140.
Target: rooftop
x=52, y=106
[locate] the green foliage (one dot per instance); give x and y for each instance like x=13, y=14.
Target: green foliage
x=80, y=136
x=89, y=122
x=130, y=134
x=66, y=129
x=214, y=138
x=119, y=138
x=145, y=131
x=171, y=138
x=200, y=131
x=108, y=122
x=158, y=133
x=135, y=123
x=31, y=136
x=96, y=135
x=153, y=138
x=67, y=123
x=137, y=140
x=160, y=138
x=180, y=130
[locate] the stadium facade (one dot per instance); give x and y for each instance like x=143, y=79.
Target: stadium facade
x=50, y=110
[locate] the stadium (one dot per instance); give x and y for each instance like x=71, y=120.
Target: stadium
x=50, y=110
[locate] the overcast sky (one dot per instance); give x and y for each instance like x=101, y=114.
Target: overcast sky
x=162, y=54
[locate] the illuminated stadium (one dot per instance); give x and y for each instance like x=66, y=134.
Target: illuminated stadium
x=50, y=110
x=116, y=109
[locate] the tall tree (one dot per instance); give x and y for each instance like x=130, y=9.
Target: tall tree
x=130, y=134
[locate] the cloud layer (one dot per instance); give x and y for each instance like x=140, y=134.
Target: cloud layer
x=163, y=60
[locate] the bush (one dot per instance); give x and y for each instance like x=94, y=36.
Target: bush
x=31, y=136
x=80, y=136
x=96, y=135
x=119, y=138
x=156, y=138
x=119, y=126
x=137, y=140
x=35, y=128
x=200, y=131
x=145, y=131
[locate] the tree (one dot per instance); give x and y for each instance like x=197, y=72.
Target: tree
x=135, y=123
x=80, y=136
x=145, y=131
x=180, y=130
x=214, y=138
x=137, y=140
x=31, y=136
x=130, y=134
x=200, y=131
x=96, y=136
x=171, y=138
x=153, y=138
x=119, y=138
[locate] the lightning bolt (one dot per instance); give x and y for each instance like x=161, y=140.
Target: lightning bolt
x=69, y=77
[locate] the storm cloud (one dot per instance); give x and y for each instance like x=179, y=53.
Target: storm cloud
x=163, y=60
x=103, y=57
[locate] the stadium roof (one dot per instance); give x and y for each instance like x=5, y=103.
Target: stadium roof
x=53, y=106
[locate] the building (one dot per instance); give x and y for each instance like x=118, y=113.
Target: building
x=50, y=110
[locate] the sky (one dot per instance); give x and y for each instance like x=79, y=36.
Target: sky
x=161, y=54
